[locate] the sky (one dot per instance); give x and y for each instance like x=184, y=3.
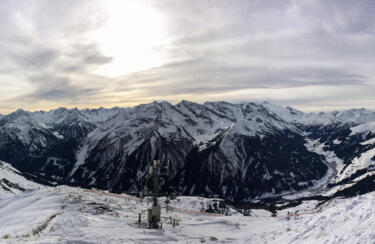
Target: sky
x=315, y=55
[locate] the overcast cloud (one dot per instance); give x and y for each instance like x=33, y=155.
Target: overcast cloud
x=314, y=55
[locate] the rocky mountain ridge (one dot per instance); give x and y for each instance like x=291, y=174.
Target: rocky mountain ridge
x=235, y=151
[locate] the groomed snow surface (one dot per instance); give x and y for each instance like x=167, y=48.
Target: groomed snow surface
x=72, y=215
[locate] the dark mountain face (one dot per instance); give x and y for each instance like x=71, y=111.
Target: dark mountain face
x=233, y=151
x=46, y=150
x=272, y=164
x=338, y=138
x=129, y=172
x=49, y=157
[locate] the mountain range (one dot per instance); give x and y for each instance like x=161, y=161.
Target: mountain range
x=242, y=151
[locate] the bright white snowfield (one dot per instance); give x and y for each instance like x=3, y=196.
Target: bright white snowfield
x=72, y=215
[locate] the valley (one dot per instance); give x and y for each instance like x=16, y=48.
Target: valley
x=71, y=176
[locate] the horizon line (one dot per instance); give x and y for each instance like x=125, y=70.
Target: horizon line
x=176, y=103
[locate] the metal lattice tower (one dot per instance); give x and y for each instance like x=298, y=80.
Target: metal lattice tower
x=156, y=174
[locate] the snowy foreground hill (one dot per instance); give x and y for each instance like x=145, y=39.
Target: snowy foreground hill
x=31, y=213
x=12, y=181
x=72, y=215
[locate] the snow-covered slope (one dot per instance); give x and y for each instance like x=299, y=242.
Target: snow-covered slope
x=69, y=215
x=12, y=181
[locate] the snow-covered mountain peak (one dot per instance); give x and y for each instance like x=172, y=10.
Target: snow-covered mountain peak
x=233, y=141
x=19, y=113
x=357, y=116
x=223, y=109
x=199, y=121
x=20, y=119
x=102, y=114
x=60, y=116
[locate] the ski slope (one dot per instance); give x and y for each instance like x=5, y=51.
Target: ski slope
x=71, y=215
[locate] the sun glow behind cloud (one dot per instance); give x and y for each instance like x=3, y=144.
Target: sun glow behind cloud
x=312, y=54
x=131, y=36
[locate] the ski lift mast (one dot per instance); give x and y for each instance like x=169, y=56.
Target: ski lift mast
x=156, y=176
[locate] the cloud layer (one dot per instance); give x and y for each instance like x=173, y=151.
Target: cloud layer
x=310, y=54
